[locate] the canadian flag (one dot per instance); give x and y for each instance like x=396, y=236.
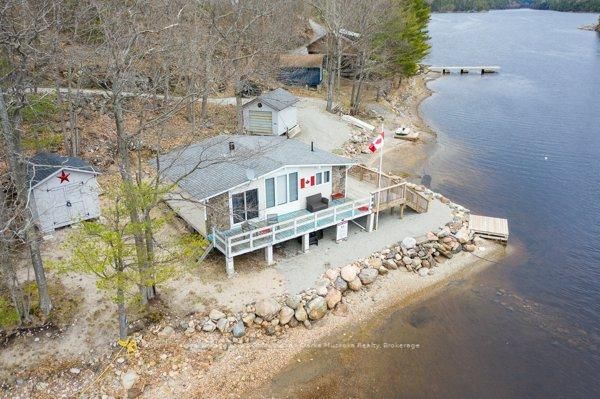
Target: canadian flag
x=377, y=143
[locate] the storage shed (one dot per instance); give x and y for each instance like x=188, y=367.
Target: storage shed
x=273, y=113
x=64, y=190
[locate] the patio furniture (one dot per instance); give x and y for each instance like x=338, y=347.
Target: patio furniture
x=337, y=196
x=245, y=227
x=315, y=203
x=272, y=219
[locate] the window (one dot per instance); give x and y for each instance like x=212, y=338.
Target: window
x=327, y=176
x=270, y=190
x=293, y=186
x=281, y=189
x=244, y=206
x=319, y=178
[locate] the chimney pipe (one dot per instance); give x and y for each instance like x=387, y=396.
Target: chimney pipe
x=312, y=146
x=231, y=147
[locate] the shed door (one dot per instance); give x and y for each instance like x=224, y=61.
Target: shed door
x=68, y=205
x=261, y=122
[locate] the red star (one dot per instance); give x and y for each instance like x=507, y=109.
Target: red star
x=63, y=176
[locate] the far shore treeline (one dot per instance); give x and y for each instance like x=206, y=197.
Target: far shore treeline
x=484, y=5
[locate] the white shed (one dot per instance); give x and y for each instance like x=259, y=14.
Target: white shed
x=64, y=190
x=273, y=113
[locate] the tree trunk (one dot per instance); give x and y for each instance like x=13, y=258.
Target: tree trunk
x=239, y=110
x=18, y=168
x=204, y=109
x=123, y=330
x=146, y=281
x=330, y=81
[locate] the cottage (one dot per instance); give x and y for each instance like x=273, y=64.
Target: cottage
x=259, y=191
x=273, y=113
x=301, y=69
x=63, y=191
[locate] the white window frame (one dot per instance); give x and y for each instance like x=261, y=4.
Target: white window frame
x=287, y=189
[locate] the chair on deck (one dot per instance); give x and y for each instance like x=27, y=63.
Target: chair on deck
x=316, y=202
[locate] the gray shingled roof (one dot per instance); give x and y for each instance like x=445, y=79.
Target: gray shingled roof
x=208, y=168
x=277, y=99
x=44, y=164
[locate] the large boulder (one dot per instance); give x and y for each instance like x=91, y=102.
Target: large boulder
x=316, y=308
x=340, y=284
x=349, y=272
x=332, y=274
x=293, y=301
x=368, y=275
x=301, y=314
x=445, y=232
x=285, y=314
x=216, y=314
x=375, y=263
x=333, y=297
x=390, y=264
x=267, y=308
x=409, y=243
x=355, y=284
x=239, y=330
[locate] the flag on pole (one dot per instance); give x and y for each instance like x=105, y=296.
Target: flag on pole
x=377, y=143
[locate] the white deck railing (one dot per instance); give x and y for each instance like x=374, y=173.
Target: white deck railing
x=240, y=243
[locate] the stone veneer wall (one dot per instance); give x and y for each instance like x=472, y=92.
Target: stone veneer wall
x=217, y=213
x=338, y=179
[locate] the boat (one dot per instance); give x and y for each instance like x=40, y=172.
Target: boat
x=402, y=131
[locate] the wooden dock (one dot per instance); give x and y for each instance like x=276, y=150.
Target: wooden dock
x=489, y=227
x=482, y=69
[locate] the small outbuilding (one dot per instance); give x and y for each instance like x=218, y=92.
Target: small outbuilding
x=273, y=113
x=63, y=190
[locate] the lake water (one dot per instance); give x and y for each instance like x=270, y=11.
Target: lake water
x=522, y=144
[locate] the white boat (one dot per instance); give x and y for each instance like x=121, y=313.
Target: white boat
x=402, y=131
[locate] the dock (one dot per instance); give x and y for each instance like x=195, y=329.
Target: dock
x=481, y=69
x=489, y=227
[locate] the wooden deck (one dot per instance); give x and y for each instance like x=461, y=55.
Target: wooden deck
x=489, y=227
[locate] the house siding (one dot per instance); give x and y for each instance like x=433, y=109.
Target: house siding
x=218, y=213
x=287, y=119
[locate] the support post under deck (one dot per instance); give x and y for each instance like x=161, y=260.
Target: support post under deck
x=229, y=267
x=269, y=254
x=370, y=222
x=305, y=242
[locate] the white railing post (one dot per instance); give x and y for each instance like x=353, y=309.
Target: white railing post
x=334, y=214
x=251, y=239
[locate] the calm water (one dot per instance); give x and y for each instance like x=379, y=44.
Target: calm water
x=523, y=144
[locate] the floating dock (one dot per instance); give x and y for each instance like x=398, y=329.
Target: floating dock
x=482, y=69
x=489, y=227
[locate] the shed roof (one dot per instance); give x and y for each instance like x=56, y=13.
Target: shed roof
x=277, y=99
x=208, y=168
x=301, y=60
x=45, y=164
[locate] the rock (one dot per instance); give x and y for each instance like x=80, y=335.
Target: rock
x=307, y=324
x=316, y=308
x=375, y=263
x=332, y=274
x=431, y=236
x=270, y=329
x=321, y=288
x=333, y=297
x=222, y=325
x=248, y=318
x=340, y=284
x=293, y=301
x=382, y=270
x=258, y=320
x=462, y=235
x=167, y=331
x=431, y=272
x=469, y=247
x=416, y=263
x=293, y=323
x=423, y=271
x=367, y=276
x=425, y=263
x=341, y=309
x=74, y=370
x=128, y=379
x=239, y=330
x=349, y=272
x=285, y=314
x=445, y=232
x=407, y=260
x=209, y=326
x=267, y=308
x=216, y=314
x=301, y=314
x=390, y=264
x=355, y=284
x=447, y=240
x=409, y=243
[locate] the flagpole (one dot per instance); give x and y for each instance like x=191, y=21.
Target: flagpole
x=379, y=178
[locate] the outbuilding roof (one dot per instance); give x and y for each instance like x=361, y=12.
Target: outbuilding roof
x=45, y=164
x=277, y=99
x=209, y=168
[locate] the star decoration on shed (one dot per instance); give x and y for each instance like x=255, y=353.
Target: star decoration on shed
x=64, y=177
